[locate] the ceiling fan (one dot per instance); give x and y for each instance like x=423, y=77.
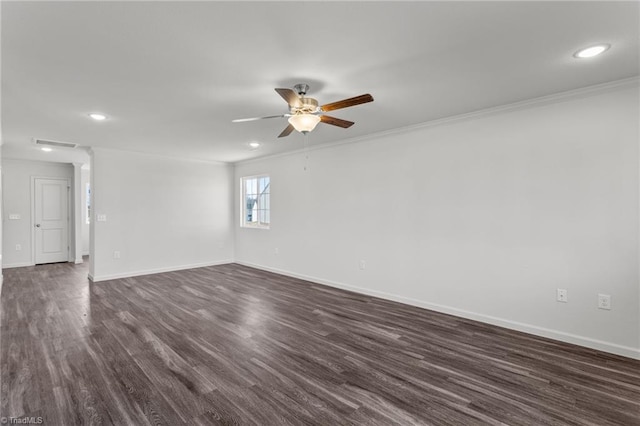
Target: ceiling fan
x=304, y=113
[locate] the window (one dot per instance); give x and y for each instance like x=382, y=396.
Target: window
x=255, y=201
x=88, y=206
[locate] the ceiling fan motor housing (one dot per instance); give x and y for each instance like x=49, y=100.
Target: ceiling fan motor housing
x=309, y=105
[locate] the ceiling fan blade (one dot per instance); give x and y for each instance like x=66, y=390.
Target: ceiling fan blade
x=336, y=121
x=290, y=96
x=242, y=120
x=362, y=99
x=287, y=131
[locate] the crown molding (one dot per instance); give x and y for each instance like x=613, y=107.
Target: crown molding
x=485, y=112
x=93, y=149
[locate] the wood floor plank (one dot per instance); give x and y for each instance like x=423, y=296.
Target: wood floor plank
x=233, y=345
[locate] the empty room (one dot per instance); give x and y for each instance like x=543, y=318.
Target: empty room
x=320, y=213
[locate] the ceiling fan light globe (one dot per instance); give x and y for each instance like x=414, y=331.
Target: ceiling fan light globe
x=304, y=122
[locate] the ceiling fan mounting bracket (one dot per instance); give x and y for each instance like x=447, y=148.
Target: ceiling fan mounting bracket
x=301, y=88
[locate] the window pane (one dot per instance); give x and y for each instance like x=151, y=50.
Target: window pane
x=262, y=204
x=88, y=218
x=250, y=206
x=251, y=186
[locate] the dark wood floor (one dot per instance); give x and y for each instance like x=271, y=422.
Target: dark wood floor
x=235, y=345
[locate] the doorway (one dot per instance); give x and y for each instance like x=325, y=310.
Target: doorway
x=51, y=220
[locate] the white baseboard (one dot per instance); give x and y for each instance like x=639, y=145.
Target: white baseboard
x=99, y=278
x=600, y=345
x=18, y=265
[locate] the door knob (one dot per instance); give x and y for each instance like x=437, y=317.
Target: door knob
x=37, y=225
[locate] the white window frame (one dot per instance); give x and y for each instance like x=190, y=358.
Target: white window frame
x=243, y=203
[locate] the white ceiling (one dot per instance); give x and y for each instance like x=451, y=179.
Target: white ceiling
x=172, y=75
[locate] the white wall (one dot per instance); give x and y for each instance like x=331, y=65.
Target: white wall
x=83, y=200
x=483, y=217
x=17, y=197
x=162, y=214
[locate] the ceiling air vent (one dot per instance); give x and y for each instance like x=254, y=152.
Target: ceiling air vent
x=57, y=144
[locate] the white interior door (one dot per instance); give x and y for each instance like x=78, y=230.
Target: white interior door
x=51, y=225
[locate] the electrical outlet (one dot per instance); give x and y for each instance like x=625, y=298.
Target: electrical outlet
x=101, y=218
x=14, y=216
x=116, y=254
x=276, y=251
x=604, y=301
x=18, y=247
x=561, y=295
x=363, y=265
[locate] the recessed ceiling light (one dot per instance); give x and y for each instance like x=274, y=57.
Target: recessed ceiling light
x=254, y=144
x=97, y=116
x=45, y=149
x=592, y=51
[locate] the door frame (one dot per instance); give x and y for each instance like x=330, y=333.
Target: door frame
x=33, y=215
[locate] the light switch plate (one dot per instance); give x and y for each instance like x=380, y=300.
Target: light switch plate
x=101, y=217
x=14, y=216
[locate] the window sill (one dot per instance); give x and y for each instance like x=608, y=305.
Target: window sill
x=254, y=226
